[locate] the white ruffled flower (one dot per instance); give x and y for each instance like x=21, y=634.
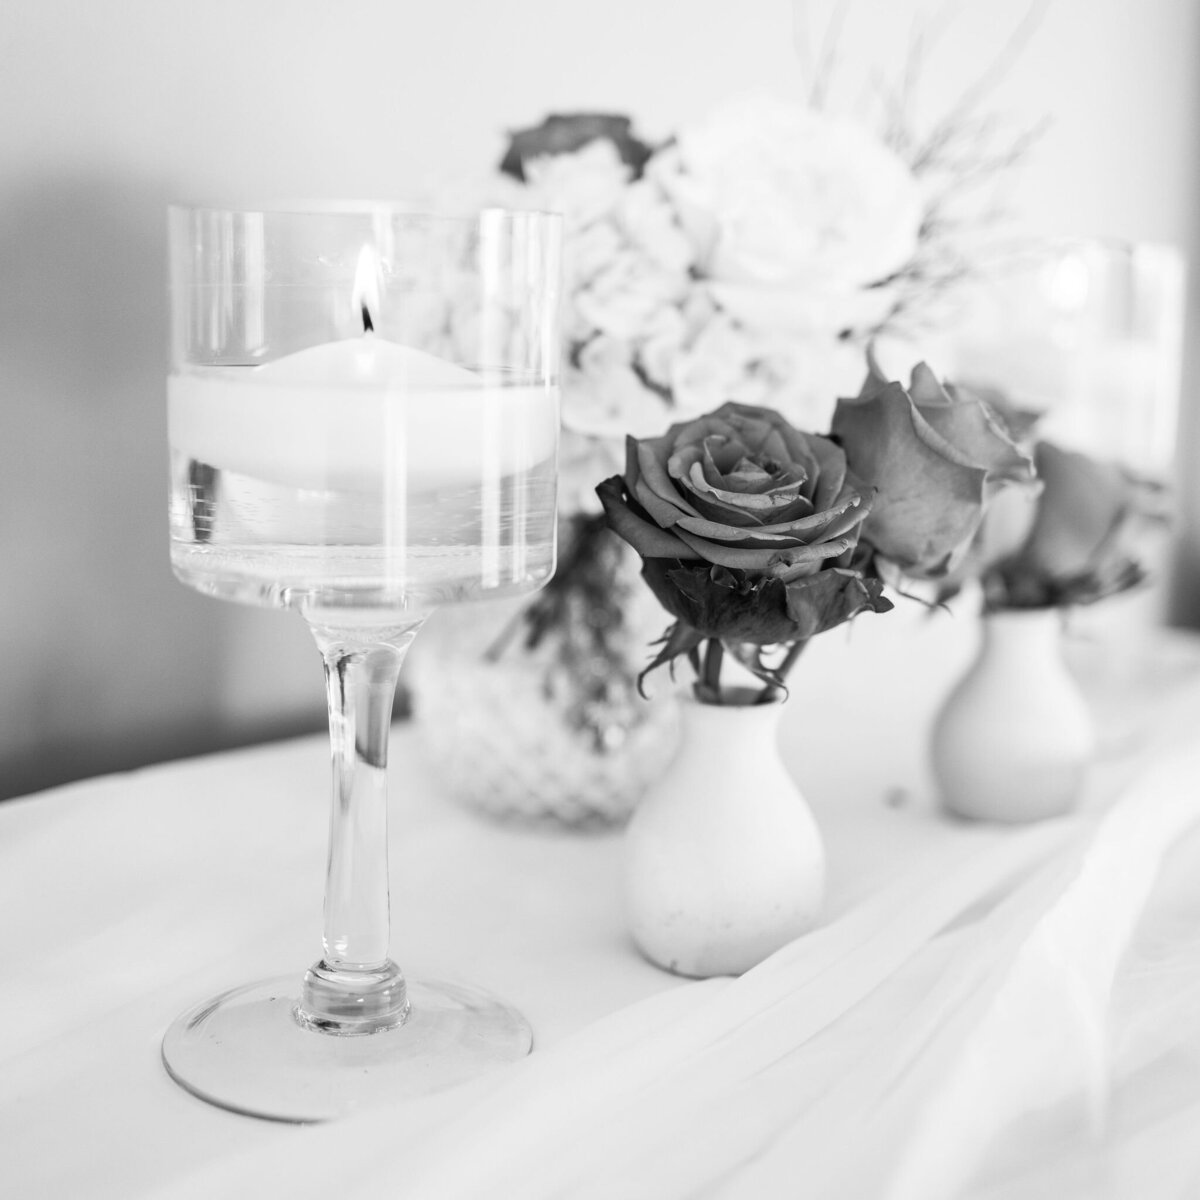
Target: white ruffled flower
x=587, y=252
x=584, y=185
x=627, y=297
x=727, y=271
x=802, y=377
x=604, y=397
x=647, y=217
x=710, y=370
x=806, y=311
x=782, y=196
x=664, y=341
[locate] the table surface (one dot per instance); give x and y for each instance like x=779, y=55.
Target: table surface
x=130, y=897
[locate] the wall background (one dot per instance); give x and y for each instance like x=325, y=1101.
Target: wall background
x=112, y=108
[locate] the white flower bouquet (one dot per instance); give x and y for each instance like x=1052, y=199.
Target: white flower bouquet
x=748, y=258
x=751, y=258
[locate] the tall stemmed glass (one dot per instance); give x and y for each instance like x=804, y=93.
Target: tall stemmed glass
x=363, y=415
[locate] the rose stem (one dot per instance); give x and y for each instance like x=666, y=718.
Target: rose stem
x=711, y=677
x=789, y=661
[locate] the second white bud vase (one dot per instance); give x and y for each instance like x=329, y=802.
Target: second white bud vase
x=724, y=862
x=1014, y=739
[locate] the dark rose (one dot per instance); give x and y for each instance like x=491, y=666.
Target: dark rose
x=1087, y=533
x=748, y=527
x=936, y=456
x=561, y=133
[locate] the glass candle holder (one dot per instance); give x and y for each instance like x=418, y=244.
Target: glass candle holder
x=1088, y=332
x=363, y=422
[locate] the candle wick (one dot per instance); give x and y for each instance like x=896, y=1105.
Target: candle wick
x=368, y=324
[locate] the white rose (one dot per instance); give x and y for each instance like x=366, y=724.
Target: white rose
x=785, y=196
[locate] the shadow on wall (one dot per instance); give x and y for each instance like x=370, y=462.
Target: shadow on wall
x=108, y=662
x=1185, y=576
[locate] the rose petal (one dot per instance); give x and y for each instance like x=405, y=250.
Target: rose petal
x=646, y=538
x=830, y=470
x=796, y=446
x=932, y=403
x=750, y=538
x=728, y=556
x=697, y=429
x=876, y=380
x=1083, y=503
x=684, y=458
x=926, y=389
x=749, y=477
x=663, y=513
x=720, y=454
x=725, y=514
x=849, y=512
x=764, y=442
x=760, y=559
x=651, y=469
x=966, y=424
x=779, y=495
x=830, y=597
x=728, y=507
x=850, y=509
x=719, y=457
x=927, y=505
x=803, y=560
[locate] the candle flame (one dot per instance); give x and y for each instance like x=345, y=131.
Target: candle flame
x=365, y=296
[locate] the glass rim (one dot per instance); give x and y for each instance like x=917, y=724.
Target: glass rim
x=317, y=207
x=1046, y=246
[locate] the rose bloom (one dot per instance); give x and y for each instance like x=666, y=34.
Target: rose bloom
x=747, y=527
x=1088, y=530
x=937, y=457
x=782, y=196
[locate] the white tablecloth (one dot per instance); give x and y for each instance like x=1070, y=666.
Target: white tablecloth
x=969, y=1020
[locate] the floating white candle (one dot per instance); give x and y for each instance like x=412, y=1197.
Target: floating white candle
x=348, y=415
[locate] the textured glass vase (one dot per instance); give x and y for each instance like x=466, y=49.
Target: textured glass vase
x=530, y=711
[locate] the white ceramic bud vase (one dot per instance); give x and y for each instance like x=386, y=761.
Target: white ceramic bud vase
x=724, y=862
x=1014, y=739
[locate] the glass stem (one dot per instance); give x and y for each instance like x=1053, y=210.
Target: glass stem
x=356, y=988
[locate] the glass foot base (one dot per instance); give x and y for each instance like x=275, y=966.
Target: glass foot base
x=245, y=1051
